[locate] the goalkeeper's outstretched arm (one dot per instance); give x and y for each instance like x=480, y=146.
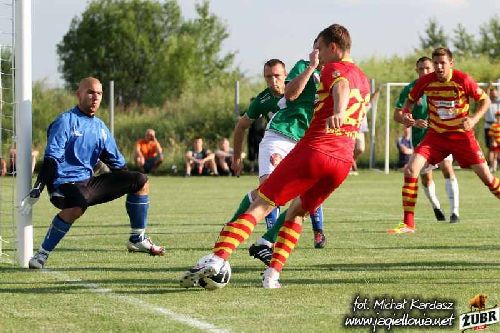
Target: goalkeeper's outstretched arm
x=45, y=177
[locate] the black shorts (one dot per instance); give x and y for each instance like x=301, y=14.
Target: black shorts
x=97, y=190
x=487, y=138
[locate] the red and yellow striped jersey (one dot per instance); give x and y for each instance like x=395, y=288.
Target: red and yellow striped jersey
x=448, y=101
x=337, y=142
x=494, y=132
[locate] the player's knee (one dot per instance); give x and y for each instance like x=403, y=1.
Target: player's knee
x=410, y=171
x=71, y=214
x=142, y=183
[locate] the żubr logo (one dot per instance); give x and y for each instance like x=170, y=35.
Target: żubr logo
x=479, y=317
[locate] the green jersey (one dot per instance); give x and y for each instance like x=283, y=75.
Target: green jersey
x=264, y=105
x=294, y=117
x=419, y=112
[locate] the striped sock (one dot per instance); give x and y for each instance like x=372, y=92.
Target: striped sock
x=409, y=193
x=495, y=187
x=288, y=237
x=233, y=234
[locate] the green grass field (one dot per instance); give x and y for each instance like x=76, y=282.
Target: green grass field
x=92, y=284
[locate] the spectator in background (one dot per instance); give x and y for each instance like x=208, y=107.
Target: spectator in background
x=199, y=160
x=405, y=147
x=3, y=167
x=489, y=119
x=13, y=156
x=224, y=158
x=148, y=153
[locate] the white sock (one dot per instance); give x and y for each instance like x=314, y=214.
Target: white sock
x=262, y=241
x=430, y=193
x=249, y=195
x=452, y=191
x=138, y=232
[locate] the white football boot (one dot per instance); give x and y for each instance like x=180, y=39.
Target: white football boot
x=147, y=246
x=270, y=279
x=207, y=266
x=38, y=260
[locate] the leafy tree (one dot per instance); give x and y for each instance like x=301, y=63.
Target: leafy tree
x=489, y=39
x=434, y=36
x=193, y=59
x=463, y=42
x=142, y=45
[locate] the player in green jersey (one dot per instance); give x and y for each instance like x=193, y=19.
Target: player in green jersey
x=424, y=66
x=264, y=105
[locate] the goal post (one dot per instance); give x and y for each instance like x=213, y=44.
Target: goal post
x=23, y=127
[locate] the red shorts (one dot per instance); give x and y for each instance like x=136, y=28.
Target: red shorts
x=308, y=173
x=463, y=145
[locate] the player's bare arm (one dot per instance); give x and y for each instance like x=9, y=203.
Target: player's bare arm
x=239, y=134
x=408, y=120
x=471, y=121
x=294, y=88
x=340, y=96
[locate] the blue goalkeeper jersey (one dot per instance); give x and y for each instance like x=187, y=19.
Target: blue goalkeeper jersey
x=76, y=141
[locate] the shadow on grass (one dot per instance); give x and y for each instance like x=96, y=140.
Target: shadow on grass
x=143, y=285
x=409, y=266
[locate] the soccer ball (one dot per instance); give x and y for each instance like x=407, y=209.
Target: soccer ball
x=218, y=281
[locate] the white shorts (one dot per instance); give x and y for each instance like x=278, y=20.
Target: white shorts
x=360, y=141
x=429, y=167
x=272, y=149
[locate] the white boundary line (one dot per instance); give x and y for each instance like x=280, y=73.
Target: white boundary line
x=95, y=288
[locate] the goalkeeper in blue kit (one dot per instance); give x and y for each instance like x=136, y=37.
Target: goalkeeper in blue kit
x=76, y=140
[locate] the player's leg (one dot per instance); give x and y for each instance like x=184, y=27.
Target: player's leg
x=317, y=226
x=278, y=189
x=489, y=146
x=490, y=180
x=230, y=237
x=409, y=194
x=315, y=185
x=468, y=154
x=262, y=249
x=135, y=185
x=272, y=150
x=71, y=199
x=430, y=192
x=288, y=237
x=451, y=185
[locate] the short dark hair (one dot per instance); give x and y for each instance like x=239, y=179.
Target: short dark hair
x=423, y=59
x=337, y=34
x=274, y=62
x=442, y=51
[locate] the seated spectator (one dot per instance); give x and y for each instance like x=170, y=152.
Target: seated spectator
x=224, y=158
x=3, y=167
x=405, y=147
x=199, y=160
x=148, y=152
x=13, y=156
